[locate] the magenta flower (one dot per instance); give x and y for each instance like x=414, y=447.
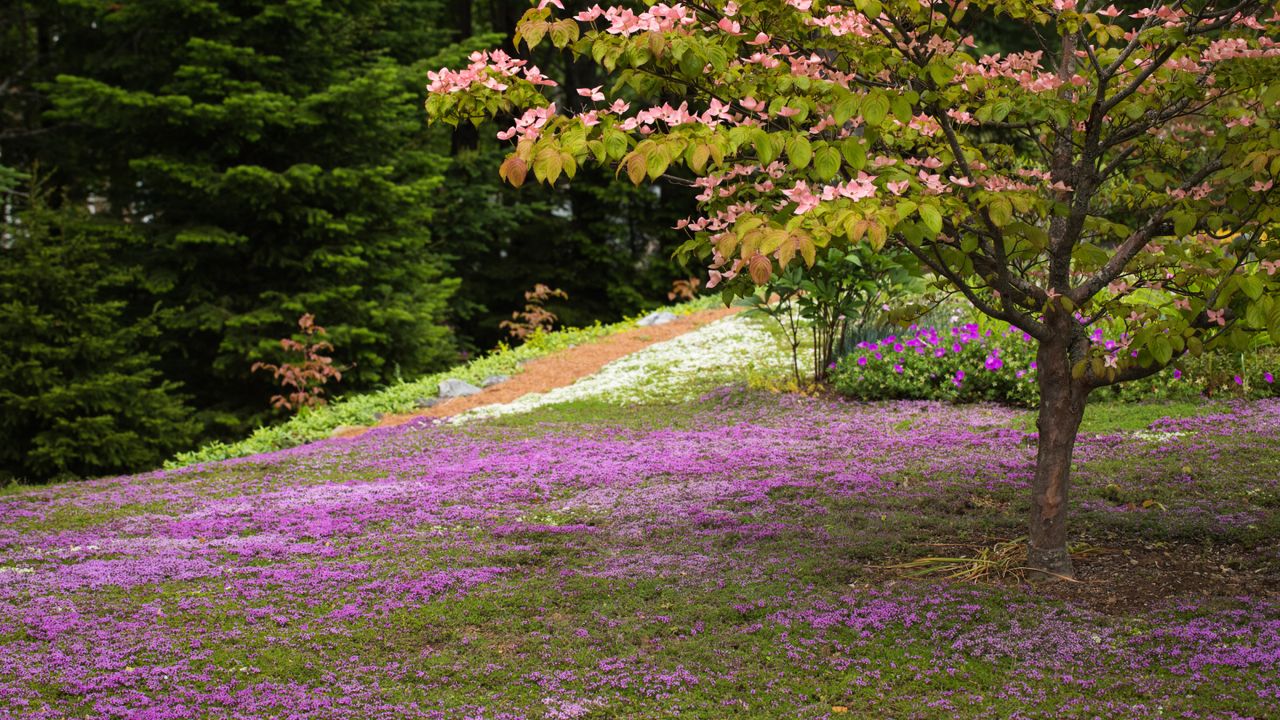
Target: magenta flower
x=862, y=362
x=1268, y=377
x=1177, y=374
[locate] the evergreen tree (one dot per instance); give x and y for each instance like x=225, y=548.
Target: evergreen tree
x=270, y=153
x=80, y=392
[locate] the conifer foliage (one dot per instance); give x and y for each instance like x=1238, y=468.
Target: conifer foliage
x=80, y=389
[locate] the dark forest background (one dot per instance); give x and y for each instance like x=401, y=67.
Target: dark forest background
x=180, y=180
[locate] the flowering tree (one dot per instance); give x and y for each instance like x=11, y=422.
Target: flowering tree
x=1121, y=176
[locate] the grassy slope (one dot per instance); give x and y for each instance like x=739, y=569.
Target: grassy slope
x=721, y=557
x=716, y=559
x=365, y=409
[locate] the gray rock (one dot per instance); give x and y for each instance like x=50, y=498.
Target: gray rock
x=661, y=317
x=424, y=403
x=454, y=388
x=494, y=380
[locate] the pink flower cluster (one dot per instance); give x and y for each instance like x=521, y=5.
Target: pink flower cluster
x=486, y=69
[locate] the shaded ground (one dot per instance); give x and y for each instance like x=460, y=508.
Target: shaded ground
x=715, y=559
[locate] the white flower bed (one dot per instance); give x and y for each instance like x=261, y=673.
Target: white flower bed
x=1156, y=436
x=726, y=351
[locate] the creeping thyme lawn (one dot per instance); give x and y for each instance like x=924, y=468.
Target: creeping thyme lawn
x=719, y=557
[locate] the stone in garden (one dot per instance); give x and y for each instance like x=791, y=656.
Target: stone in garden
x=494, y=380
x=661, y=317
x=424, y=403
x=453, y=388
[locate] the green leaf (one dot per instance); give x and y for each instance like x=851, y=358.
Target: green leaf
x=547, y=165
x=901, y=107
x=799, y=152
x=615, y=143
x=826, y=162
x=1001, y=211
x=854, y=153
x=845, y=109
x=1161, y=350
x=1252, y=286
x=691, y=64
x=773, y=239
x=765, y=150
x=874, y=109
x=658, y=162
x=1183, y=223
x=931, y=217
x=940, y=72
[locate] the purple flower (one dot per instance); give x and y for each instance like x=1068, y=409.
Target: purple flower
x=993, y=361
x=1268, y=377
x=1177, y=374
x=862, y=362
x=897, y=367
x=1239, y=380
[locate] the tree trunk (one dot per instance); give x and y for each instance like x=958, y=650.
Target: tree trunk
x=1062, y=402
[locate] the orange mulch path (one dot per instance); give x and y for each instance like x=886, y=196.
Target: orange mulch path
x=560, y=368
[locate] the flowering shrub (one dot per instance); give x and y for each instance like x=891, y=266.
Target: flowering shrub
x=968, y=364
x=960, y=364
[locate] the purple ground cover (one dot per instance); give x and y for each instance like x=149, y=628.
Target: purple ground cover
x=715, y=560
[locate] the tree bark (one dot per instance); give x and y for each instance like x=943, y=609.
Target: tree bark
x=1062, y=401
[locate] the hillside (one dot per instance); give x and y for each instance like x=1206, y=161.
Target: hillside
x=665, y=537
